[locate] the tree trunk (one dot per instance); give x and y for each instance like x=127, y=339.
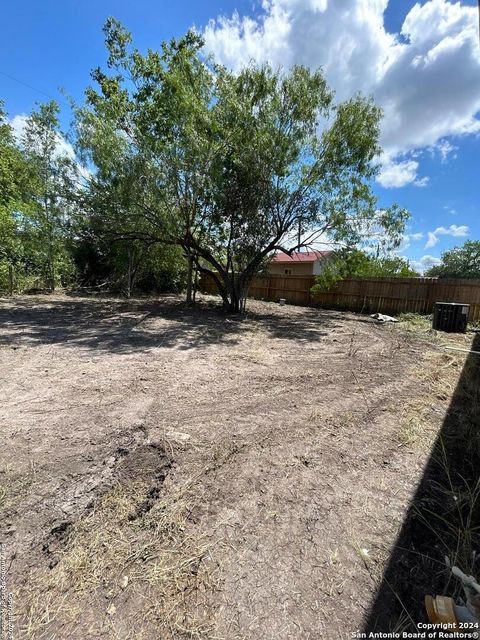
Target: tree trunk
x=195, y=285
x=189, y=278
x=132, y=270
x=49, y=276
x=129, y=276
x=52, y=281
x=10, y=279
x=236, y=289
x=232, y=288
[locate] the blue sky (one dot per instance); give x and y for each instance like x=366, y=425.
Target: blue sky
x=421, y=62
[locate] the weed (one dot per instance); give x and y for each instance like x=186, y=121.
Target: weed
x=153, y=561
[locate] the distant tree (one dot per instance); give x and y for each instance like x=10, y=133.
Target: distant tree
x=228, y=166
x=15, y=196
x=459, y=262
x=124, y=265
x=351, y=263
x=113, y=246
x=9, y=193
x=45, y=238
x=53, y=174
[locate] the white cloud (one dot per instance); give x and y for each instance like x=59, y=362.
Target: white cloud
x=404, y=244
x=453, y=230
x=396, y=174
x=18, y=124
x=457, y=231
x=406, y=241
x=421, y=182
x=445, y=148
x=451, y=210
x=426, y=78
x=64, y=148
x=425, y=263
x=416, y=236
x=432, y=240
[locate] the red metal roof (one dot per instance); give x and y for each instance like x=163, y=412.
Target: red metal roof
x=307, y=256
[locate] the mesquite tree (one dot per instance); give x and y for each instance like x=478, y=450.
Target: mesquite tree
x=13, y=194
x=459, y=262
x=228, y=166
x=54, y=177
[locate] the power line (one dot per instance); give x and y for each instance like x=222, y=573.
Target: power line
x=25, y=84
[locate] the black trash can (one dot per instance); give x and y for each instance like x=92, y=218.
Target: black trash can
x=451, y=317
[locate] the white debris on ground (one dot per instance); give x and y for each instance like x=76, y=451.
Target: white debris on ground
x=381, y=317
x=178, y=436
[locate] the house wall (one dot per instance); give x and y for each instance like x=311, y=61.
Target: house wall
x=297, y=268
x=317, y=267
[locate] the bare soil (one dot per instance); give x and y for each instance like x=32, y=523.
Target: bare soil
x=170, y=472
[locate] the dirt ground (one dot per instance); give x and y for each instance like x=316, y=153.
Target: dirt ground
x=170, y=472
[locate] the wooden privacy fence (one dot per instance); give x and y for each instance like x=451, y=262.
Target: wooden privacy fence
x=387, y=295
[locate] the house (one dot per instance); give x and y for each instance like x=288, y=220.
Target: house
x=308, y=263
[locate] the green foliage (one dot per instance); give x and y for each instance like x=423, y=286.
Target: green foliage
x=354, y=263
x=459, y=262
x=164, y=269
x=46, y=240
x=126, y=266
x=53, y=175
x=227, y=166
x=14, y=170
x=35, y=179
x=14, y=196
x=188, y=160
x=13, y=179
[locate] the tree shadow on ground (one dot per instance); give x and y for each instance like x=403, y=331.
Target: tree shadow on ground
x=443, y=518
x=122, y=326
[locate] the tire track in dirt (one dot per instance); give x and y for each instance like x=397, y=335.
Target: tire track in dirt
x=276, y=425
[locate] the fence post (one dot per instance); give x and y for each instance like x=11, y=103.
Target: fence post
x=431, y=297
x=268, y=287
x=310, y=284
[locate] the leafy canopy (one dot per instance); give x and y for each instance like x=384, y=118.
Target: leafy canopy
x=54, y=178
x=459, y=262
x=228, y=166
x=354, y=263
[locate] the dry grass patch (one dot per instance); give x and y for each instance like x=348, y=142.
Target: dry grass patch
x=411, y=427
x=142, y=569
x=441, y=371
x=443, y=420
x=14, y=486
x=254, y=347
x=421, y=327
